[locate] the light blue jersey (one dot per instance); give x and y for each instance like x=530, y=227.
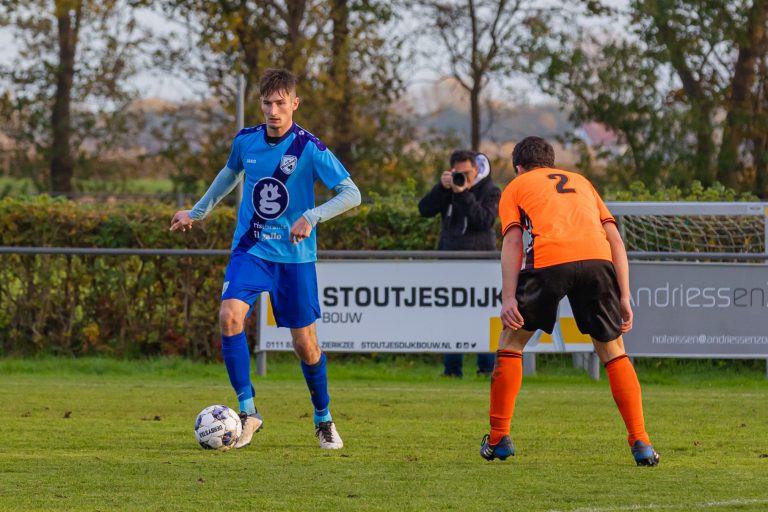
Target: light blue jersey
x=278, y=189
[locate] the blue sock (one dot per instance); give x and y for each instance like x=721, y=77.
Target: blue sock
x=237, y=359
x=317, y=382
x=247, y=406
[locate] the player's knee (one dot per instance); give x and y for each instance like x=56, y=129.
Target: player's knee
x=514, y=339
x=307, y=349
x=608, y=350
x=309, y=354
x=230, y=321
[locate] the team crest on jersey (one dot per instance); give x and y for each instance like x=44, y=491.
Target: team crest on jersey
x=288, y=163
x=270, y=198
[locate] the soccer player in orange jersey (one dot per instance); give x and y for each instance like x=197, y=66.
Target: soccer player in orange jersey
x=575, y=250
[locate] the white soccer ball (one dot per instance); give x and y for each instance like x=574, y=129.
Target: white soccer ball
x=217, y=428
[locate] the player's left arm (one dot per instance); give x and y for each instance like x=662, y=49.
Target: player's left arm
x=347, y=197
x=621, y=265
x=327, y=168
x=619, y=258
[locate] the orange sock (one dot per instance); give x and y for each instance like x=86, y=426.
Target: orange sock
x=626, y=393
x=505, y=385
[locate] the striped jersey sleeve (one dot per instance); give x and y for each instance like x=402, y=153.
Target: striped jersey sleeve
x=509, y=212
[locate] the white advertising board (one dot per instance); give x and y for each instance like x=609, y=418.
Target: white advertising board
x=413, y=306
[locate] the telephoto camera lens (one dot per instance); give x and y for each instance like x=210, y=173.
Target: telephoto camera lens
x=459, y=179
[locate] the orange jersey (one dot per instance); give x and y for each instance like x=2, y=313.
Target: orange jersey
x=562, y=212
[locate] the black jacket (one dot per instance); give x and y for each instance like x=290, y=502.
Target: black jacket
x=468, y=217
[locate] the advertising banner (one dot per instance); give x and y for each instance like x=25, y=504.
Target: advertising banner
x=699, y=310
x=681, y=309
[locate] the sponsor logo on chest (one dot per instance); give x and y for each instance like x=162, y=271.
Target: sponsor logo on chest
x=270, y=198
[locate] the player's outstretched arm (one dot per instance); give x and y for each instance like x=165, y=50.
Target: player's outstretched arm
x=511, y=261
x=222, y=185
x=181, y=221
x=621, y=265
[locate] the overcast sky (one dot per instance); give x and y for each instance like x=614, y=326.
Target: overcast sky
x=156, y=84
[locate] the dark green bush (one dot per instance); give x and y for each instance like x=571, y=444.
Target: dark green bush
x=130, y=306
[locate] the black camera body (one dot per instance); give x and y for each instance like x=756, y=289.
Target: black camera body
x=459, y=178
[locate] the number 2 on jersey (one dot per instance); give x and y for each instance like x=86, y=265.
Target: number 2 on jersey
x=561, y=184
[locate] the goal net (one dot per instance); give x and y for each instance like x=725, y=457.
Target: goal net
x=714, y=229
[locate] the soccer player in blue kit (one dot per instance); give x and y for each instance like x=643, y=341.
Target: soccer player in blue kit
x=274, y=247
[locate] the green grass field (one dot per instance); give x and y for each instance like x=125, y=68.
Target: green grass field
x=24, y=186
x=106, y=435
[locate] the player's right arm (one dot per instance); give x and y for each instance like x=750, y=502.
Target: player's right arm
x=225, y=181
x=511, y=262
x=222, y=185
x=621, y=265
x=511, y=257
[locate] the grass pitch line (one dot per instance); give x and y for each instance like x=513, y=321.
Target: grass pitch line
x=681, y=506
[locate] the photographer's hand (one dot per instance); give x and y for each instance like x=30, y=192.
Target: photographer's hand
x=446, y=179
x=456, y=189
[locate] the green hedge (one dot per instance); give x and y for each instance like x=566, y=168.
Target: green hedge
x=131, y=306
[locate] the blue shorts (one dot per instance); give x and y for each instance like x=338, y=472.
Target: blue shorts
x=292, y=287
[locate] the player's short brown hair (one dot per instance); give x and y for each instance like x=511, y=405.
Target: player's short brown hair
x=277, y=80
x=532, y=153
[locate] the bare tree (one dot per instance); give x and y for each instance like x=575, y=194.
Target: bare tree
x=483, y=40
x=340, y=75
x=69, y=15
x=740, y=105
x=343, y=51
x=70, y=52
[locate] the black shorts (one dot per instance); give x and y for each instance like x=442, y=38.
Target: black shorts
x=592, y=290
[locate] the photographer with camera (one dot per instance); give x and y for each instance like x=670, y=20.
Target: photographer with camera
x=467, y=200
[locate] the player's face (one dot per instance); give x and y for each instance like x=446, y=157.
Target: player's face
x=278, y=110
x=466, y=168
